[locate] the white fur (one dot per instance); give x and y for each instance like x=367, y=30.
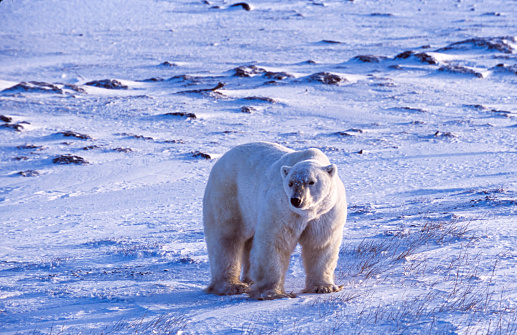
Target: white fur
x=252, y=227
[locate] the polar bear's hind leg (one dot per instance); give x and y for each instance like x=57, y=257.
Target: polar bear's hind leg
x=225, y=244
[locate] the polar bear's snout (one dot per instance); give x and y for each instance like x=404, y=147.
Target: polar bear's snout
x=296, y=202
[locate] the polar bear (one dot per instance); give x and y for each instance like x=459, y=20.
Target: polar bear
x=261, y=200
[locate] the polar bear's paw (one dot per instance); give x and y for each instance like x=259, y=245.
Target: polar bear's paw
x=270, y=295
x=227, y=288
x=326, y=288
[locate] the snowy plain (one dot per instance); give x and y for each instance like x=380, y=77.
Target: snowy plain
x=415, y=101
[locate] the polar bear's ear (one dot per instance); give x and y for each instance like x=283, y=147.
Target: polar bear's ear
x=285, y=171
x=331, y=169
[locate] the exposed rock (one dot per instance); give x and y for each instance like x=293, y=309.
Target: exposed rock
x=34, y=87
x=244, y=6
x=199, y=154
x=248, y=71
x=5, y=118
x=16, y=126
x=30, y=147
x=110, y=84
x=29, y=173
x=191, y=116
x=421, y=56
x=75, y=135
x=248, y=109
x=503, y=68
x=326, y=78
x=125, y=150
x=369, y=58
x=69, y=159
x=505, y=44
x=278, y=75
x=264, y=99
x=458, y=69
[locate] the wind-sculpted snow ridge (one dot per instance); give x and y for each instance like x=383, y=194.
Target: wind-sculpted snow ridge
x=113, y=113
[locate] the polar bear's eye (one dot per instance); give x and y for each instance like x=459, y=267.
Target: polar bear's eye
x=311, y=182
x=291, y=184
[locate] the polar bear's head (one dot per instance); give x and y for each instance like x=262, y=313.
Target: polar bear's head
x=308, y=183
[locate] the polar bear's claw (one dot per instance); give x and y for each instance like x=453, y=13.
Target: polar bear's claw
x=328, y=288
x=228, y=289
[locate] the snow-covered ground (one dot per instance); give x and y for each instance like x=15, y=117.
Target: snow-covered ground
x=415, y=101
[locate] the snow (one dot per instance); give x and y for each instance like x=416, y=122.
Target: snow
x=426, y=151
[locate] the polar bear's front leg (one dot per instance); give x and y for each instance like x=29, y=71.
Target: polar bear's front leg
x=320, y=263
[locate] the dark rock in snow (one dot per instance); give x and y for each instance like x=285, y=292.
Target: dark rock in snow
x=29, y=173
x=382, y=14
x=15, y=126
x=6, y=118
x=503, y=68
x=421, y=56
x=458, y=69
x=248, y=71
x=326, y=78
x=30, y=147
x=206, y=90
x=34, y=87
x=369, y=58
x=278, y=75
x=248, y=110
x=199, y=154
x=175, y=141
x=125, y=150
x=331, y=42
x=110, y=84
x=75, y=135
x=243, y=5
x=264, y=99
x=91, y=147
x=183, y=114
x=446, y=134
x=69, y=159
x=501, y=44
x=168, y=64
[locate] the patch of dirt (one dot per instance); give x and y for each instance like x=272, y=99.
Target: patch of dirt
x=69, y=159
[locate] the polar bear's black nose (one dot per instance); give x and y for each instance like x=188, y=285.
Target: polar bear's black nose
x=296, y=202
